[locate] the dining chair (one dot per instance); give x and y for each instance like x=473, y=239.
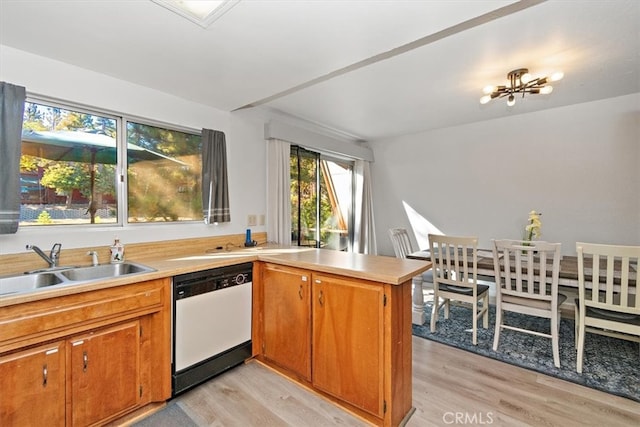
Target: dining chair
x=607, y=302
x=527, y=275
x=455, y=277
x=402, y=247
x=401, y=242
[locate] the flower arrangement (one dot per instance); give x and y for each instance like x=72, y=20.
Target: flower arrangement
x=534, y=228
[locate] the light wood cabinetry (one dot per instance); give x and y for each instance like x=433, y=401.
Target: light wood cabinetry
x=287, y=318
x=359, y=334
x=87, y=358
x=105, y=374
x=33, y=386
x=348, y=321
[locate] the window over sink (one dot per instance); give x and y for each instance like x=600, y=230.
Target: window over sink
x=83, y=167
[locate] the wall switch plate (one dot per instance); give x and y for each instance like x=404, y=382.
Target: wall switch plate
x=252, y=220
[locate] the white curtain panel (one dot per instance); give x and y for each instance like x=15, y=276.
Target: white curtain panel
x=364, y=240
x=278, y=192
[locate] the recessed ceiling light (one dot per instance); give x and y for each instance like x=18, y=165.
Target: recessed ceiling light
x=202, y=12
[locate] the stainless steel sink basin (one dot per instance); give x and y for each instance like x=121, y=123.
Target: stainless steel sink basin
x=32, y=281
x=103, y=271
x=27, y=282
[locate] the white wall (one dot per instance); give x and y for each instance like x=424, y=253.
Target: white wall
x=578, y=165
x=476, y=179
x=245, y=147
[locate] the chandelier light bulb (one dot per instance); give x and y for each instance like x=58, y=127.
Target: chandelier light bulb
x=546, y=90
x=525, y=78
x=488, y=89
x=556, y=76
x=511, y=101
x=485, y=99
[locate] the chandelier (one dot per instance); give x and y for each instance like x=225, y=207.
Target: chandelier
x=520, y=81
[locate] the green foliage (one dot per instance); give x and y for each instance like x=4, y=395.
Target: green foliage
x=44, y=218
x=52, y=118
x=165, y=141
x=64, y=177
x=75, y=121
x=159, y=190
x=150, y=208
x=305, y=170
x=28, y=163
x=33, y=118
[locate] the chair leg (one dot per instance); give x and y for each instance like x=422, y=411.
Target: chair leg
x=474, y=338
x=485, y=307
x=581, y=333
x=496, y=335
x=575, y=325
x=555, y=329
x=434, y=310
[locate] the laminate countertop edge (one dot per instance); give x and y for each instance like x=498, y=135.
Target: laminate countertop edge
x=376, y=268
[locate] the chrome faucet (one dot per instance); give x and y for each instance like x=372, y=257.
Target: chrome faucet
x=94, y=257
x=53, y=257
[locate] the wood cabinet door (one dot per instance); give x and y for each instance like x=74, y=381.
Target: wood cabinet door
x=32, y=387
x=287, y=318
x=348, y=333
x=105, y=373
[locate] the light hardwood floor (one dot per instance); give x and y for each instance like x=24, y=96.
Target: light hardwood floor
x=450, y=387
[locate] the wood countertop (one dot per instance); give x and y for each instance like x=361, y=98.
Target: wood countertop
x=381, y=269
x=375, y=268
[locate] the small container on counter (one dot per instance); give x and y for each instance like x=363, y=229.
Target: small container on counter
x=117, y=252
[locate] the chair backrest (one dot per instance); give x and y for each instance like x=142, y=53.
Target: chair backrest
x=526, y=268
x=401, y=242
x=455, y=260
x=613, y=270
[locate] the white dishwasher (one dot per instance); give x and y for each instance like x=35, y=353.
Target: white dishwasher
x=211, y=323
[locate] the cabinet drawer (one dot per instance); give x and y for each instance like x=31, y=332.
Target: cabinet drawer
x=56, y=314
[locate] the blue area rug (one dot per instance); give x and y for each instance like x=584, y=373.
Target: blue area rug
x=609, y=364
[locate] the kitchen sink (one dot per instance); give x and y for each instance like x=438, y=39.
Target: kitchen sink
x=29, y=282
x=103, y=271
x=26, y=282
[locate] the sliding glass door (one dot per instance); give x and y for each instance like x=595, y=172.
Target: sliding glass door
x=321, y=200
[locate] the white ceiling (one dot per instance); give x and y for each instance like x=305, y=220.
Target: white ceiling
x=368, y=69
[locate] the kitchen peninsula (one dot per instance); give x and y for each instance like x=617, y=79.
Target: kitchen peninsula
x=340, y=324
x=356, y=314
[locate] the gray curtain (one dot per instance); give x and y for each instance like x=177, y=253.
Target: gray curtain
x=215, y=192
x=11, y=109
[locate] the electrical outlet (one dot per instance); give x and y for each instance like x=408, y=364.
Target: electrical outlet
x=251, y=220
x=261, y=220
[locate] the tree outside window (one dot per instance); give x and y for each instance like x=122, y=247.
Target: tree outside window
x=69, y=162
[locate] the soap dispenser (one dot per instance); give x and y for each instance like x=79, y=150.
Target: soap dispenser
x=117, y=252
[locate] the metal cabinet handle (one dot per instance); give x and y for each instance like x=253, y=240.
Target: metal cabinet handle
x=45, y=374
x=85, y=361
x=321, y=298
x=300, y=292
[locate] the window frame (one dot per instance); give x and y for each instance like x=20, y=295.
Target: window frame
x=121, y=167
x=318, y=157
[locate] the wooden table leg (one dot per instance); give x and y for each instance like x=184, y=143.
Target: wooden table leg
x=418, y=316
